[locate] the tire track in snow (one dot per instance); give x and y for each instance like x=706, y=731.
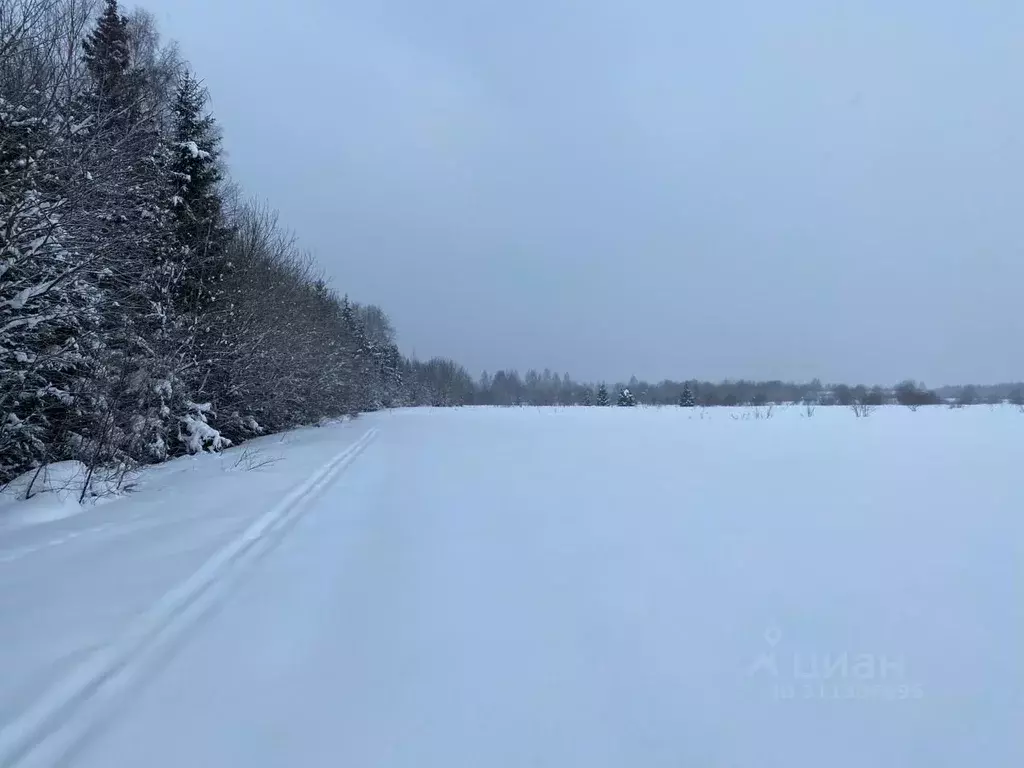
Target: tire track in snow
x=64, y=715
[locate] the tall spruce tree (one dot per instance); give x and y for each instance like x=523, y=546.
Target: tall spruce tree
x=200, y=239
x=106, y=55
x=602, y=395
x=124, y=189
x=200, y=228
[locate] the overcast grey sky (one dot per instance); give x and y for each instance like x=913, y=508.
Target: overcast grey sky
x=669, y=189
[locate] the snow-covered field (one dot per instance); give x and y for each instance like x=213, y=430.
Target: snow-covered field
x=537, y=587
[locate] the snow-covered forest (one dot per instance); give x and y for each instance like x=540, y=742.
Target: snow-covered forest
x=147, y=308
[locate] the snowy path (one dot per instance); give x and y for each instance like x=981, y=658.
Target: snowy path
x=72, y=589
x=593, y=588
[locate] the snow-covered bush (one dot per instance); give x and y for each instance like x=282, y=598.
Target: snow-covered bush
x=197, y=435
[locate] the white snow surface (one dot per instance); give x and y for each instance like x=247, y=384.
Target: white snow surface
x=537, y=587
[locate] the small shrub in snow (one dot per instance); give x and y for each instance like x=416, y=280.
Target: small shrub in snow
x=67, y=481
x=251, y=459
x=62, y=477
x=862, y=410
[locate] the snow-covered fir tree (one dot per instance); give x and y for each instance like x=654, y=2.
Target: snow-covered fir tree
x=127, y=202
x=108, y=60
x=686, y=398
x=201, y=232
x=602, y=395
x=198, y=262
x=626, y=398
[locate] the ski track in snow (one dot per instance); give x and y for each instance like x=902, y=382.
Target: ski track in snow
x=45, y=732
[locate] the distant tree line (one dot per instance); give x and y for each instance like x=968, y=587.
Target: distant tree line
x=508, y=387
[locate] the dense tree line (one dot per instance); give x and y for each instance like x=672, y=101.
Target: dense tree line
x=146, y=309
x=988, y=393
x=546, y=388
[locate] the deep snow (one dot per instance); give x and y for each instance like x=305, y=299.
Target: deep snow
x=554, y=587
